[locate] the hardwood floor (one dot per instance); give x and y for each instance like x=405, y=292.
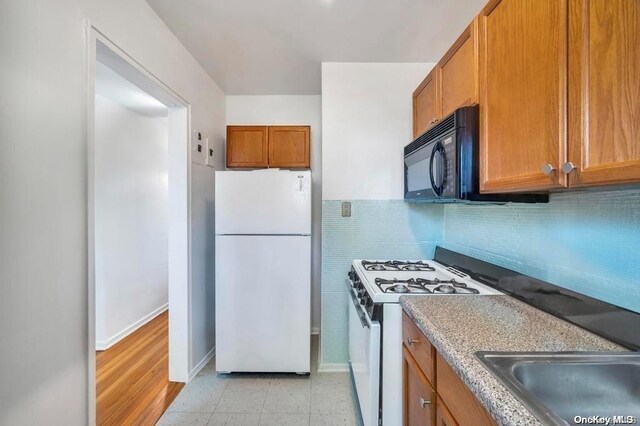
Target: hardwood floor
x=132, y=377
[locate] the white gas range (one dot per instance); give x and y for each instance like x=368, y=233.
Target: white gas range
x=375, y=326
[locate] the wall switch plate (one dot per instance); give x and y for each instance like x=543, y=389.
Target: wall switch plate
x=198, y=149
x=208, y=143
x=346, y=209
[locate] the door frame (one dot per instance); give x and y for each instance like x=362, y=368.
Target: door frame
x=179, y=238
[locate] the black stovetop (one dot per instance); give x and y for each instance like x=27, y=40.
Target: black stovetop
x=612, y=322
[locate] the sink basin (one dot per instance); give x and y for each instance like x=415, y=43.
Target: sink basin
x=558, y=386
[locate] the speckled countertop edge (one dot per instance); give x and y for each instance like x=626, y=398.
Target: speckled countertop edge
x=439, y=319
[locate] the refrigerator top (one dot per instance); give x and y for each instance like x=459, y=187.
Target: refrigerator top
x=263, y=202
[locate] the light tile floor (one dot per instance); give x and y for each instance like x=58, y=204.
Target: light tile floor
x=264, y=399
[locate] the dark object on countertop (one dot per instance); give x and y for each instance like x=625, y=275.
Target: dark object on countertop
x=612, y=322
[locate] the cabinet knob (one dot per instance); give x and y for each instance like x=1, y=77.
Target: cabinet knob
x=424, y=402
x=568, y=167
x=411, y=341
x=548, y=169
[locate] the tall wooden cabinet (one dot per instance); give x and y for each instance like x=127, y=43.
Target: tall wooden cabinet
x=458, y=72
x=269, y=146
x=604, y=92
x=425, y=108
x=523, y=103
x=451, y=84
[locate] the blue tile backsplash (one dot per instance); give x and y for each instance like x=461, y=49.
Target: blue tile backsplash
x=376, y=229
x=588, y=242
x=585, y=241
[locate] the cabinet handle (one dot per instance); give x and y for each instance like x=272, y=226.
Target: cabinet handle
x=568, y=167
x=548, y=169
x=435, y=120
x=424, y=402
x=410, y=341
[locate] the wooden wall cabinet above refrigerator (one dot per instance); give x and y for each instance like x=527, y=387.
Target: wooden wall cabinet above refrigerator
x=269, y=146
x=453, y=83
x=559, y=94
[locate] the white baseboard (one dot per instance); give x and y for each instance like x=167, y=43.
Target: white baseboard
x=333, y=368
x=315, y=330
x=202, y=363
x=102, y=345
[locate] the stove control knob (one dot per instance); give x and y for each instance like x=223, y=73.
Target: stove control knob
x=369, y=303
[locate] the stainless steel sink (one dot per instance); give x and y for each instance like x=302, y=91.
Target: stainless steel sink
x=558, y=386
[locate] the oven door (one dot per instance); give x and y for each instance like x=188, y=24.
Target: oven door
x=364, y=359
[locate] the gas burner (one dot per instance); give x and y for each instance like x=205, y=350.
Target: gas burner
x=396, y=265
x=436, y=281
x=400, y=286
x=455, y=288
x=444, y=289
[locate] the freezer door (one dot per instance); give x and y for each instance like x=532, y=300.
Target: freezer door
x=263, y=202
x=263, y=307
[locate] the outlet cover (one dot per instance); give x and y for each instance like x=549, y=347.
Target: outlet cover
x=346, y=209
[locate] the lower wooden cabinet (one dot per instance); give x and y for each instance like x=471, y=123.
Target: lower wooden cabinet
x=437, y=398
x=443, y=416
x=419, y=401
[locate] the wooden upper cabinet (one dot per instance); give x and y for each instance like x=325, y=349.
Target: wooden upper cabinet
x=604, y=88
x=458, y=72
x=425, y=104
x=289, y=146
x=269, y=146
x=247, y=146
x=523, y=107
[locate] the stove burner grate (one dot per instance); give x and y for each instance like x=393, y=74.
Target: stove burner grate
x=396, y=265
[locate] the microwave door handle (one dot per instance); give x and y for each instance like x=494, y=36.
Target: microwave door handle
x=436, y=188
x=433, y=184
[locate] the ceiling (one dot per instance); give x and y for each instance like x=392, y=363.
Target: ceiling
x=266, y=47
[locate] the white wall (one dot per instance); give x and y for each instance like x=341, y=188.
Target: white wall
x=366, y=121
x=131, y=220
x=43, y=189
x=272, y=110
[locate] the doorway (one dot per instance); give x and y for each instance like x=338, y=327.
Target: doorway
x=138, y=248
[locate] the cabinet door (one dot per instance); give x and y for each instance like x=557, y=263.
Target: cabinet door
x=458, y=70
x=419, y=396
x=523, y=79
x=443, y=416
x=289, y=146
x=425, y=108
x=247, y=146
x=462, y=403
x=604, y=88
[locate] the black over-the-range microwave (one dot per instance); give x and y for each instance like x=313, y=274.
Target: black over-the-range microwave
x=443, y=164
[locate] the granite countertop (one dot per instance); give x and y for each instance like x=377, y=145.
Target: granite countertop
x=458, y=327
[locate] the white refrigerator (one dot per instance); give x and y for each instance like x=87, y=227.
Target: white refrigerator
x=263, y=271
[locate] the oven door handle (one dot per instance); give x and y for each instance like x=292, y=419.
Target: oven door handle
x=359, y=311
